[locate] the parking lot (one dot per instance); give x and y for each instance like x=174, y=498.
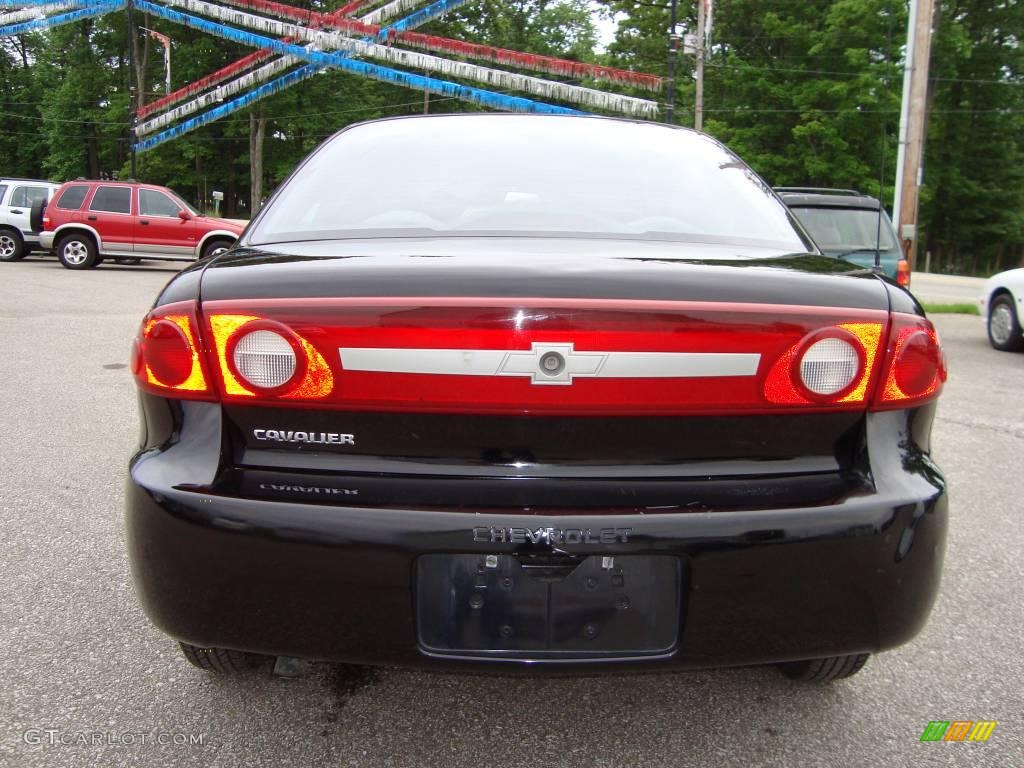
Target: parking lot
x=79, y=656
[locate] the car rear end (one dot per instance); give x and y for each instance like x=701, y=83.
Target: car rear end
x=730, y=471
x=582, y=395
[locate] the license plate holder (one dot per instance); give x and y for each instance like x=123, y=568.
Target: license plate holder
x=502, y=606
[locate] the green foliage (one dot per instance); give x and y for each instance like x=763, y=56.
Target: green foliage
x=963, y=308
x=771, y=91
x=550, y=27
x=22, y=146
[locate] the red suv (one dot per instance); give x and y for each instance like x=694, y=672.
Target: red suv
x=89, y=221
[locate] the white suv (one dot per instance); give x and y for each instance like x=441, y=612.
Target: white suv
x=16, y=197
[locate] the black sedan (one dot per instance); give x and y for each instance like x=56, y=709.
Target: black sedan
x=507, y=392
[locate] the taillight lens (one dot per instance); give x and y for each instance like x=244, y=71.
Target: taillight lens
x=167, y=355
x=916, y=366
x=903, y=273
x=263, y=359
x=258, y=357
x=829, y=366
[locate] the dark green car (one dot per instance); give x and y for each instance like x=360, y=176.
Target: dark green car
x=846, y=224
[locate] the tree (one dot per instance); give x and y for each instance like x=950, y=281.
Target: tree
x=22, y=145
x=973, y=195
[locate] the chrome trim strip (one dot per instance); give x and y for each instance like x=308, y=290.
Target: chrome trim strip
x=281, y=457
x=568, y=364
x=141, y=246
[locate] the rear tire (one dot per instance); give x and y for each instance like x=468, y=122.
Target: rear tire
x=221, y=660
x=77, y=251
x=824, y=670
x=12, y=245
x=1004, y=332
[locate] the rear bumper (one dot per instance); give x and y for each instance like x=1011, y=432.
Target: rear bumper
x=46, y=240
x=338, y=582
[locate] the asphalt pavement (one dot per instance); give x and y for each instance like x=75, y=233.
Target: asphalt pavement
x=79, y=660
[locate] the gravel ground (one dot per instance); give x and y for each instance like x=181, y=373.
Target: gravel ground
x=77, y=654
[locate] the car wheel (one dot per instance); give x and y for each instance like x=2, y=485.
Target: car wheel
x=824, y=670
x=216, y=247
x=221, y=660
x=12, y=246
x=77, y=251
x=1004, y=332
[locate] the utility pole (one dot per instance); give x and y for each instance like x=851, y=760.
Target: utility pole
x=131, y=87
x=913, y=122
x=673, y=48
x=698, y=103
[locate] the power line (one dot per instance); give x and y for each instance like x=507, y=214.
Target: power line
x=800, y=71
x=47, y=119
x=736, y=109
x=837, y=73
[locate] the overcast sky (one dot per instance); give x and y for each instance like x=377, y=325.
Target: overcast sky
x=605, y=27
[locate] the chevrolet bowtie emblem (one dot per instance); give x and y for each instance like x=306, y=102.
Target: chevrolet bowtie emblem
x=549, y=363
x=552, y=363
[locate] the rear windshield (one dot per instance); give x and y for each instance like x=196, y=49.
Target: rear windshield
x=846, y=230
x=525, y=175
x=71, y=199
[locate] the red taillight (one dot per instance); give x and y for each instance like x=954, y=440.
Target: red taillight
x=903, y=273
x=259, y=357
x=490, y=355
x=915, y=367
x=469, y=356
x=166, y=357
x=169, y=352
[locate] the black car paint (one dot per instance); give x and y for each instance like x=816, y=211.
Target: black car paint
x=541, y=268
x=217, y=565
x=815, y=551
x=512, y=267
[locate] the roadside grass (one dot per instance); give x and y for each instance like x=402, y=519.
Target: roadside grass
x=964, y=308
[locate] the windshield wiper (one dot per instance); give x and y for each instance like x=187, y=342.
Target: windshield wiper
x=866, y=249
x=877, y=267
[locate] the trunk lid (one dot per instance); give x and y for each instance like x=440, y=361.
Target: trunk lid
x=542, y=268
